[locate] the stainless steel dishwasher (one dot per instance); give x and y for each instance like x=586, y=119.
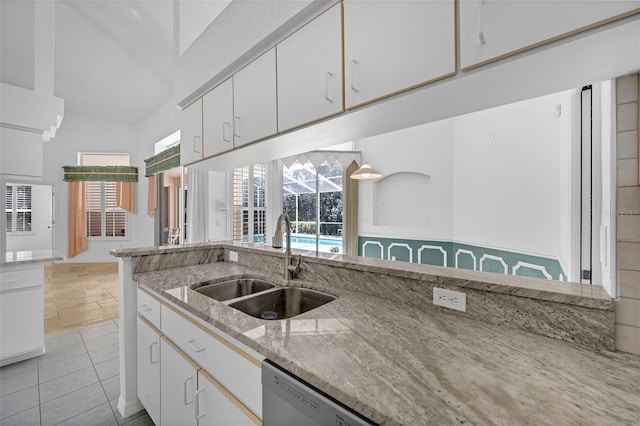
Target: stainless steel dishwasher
x=289, y=401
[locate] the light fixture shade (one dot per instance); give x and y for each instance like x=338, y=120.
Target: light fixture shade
x=366, y=172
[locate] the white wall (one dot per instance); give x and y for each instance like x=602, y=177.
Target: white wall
x=40, y=237
x=510, y=181
x=83, y=133
x=427, y=150
x=497, y=178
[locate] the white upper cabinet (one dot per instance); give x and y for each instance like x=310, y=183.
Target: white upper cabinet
x=492, y=29
x=394, y=45
x=254, y=100
x=191, y=133
x=310, y=71
x=217, y=111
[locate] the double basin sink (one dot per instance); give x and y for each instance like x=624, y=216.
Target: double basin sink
x=262, y=299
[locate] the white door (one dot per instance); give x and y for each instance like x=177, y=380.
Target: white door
x=394, y=45
x=254, y=100
x=217, y=113
x=149, y=370
x=178, y=378
x=310, y=79
x=214, y=406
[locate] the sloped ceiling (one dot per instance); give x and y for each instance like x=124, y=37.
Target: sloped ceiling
x=114, y=59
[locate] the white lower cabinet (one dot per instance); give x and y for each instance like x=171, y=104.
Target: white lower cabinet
x=149, y=368
x=178, y=385
x=215, y=406
x=189, y=374
x=21, y=312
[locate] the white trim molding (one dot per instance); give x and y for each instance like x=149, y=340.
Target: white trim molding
x=405, y=245
x=470, y=253
x=376, y=243
x=532, y=266
x=427, y=247
x=497, y=259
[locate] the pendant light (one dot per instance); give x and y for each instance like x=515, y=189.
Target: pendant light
x=365, y=172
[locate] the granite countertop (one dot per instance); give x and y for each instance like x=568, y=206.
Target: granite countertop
x=30, y=256
x=398, y=364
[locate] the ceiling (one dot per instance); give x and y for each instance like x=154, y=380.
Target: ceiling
x=114, y=59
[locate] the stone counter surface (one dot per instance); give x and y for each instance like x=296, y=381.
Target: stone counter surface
x=401, y=364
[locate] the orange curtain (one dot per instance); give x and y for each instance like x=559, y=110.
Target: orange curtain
x=77, y=231
x=125, y=196
x=152, y=200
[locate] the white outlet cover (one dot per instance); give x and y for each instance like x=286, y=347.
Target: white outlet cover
x=450, y=299
x=233, y=256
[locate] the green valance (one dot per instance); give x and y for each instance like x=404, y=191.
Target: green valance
x=101, y=173
x=165, y=160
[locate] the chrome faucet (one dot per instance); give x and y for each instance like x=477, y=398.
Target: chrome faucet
x=290, y=270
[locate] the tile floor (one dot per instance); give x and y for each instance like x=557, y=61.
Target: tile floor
x=79, y=294
x=76, y=382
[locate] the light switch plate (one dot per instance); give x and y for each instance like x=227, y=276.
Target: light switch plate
x=450, y=299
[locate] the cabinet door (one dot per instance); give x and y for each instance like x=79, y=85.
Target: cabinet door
x=191, y=133
x=215, y=406
x=394, y=45
x=178, y=383
x=254, y=100
x=310, y=71
x=149, y=369
x=492, y=29
x=217, y=108
x=21, y=323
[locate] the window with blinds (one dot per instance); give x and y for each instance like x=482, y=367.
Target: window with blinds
x=18, y=211
x=104, y=218
x=249, y=204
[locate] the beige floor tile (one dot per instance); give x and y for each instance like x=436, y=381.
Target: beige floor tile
x=79, y=294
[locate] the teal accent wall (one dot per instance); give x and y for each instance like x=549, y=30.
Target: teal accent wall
x=462, y=256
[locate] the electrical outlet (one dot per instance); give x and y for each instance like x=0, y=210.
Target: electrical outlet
x=233, y=256
x=450, y=299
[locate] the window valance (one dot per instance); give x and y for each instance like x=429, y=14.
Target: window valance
x=165, y=160
x=100, y=173
x=317, y=158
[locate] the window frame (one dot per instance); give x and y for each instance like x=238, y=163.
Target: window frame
x=103, y=202
x=251, y=210
x=14, y=210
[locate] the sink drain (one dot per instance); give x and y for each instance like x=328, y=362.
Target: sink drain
x=269, y=315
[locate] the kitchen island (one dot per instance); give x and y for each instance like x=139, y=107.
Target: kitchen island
x=401, y=363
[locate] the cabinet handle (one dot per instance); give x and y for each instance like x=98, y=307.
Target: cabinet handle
x=144, y=308
x=194, y=348
x=481, y=38
x=151, y=361
x=236, y=126
x=9, y=281
x=184, y=386
x=197, y=404
x=354, y=62
x=225, y=131
x=196, y=144
x=327, y=75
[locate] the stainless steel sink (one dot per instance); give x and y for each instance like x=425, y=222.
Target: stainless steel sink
x=282, y=303
x=232, y=289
